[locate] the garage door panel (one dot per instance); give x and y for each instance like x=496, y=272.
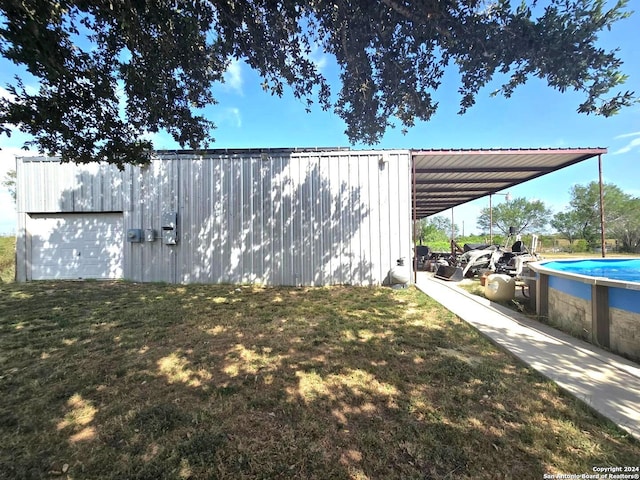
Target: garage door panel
x=72, y=246
x=92, y=252
x=52, y=255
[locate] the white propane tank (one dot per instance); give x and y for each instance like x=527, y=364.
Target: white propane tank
x=499, y=287
x=400, y=274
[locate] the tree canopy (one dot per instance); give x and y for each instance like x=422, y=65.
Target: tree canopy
x=9, y=182
x=160, y=59
x=626, y=226
x=522, y=214
x=434, y=230
x=582, y=218
x=568, y=224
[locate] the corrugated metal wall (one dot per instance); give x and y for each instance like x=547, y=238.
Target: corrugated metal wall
x=315, y=218
x=47, y=186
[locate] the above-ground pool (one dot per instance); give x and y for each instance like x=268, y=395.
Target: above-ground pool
x=597, y=300
x=626, y=270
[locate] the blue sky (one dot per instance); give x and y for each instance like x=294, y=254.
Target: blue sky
x=534, y=117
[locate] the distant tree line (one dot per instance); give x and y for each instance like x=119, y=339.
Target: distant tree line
x=581, y=220
x=579, y=223
x=522, y=214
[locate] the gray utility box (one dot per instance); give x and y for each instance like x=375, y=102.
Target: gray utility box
x=134, y=235
x=170, y=228
x=169, y=220
x=169, y=237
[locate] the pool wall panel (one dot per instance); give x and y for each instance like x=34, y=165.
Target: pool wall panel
x=624, y=299
x=598, y=310
x=570, y=313
x=571, y=287
x=624, y=332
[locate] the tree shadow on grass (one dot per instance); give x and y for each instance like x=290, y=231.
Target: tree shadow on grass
x=164, y=381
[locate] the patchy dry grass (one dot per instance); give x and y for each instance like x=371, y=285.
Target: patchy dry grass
x=519, y=303
x=121, y=380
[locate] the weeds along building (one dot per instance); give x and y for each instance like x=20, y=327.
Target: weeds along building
x=274, y=216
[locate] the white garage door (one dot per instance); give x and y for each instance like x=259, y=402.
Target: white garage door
x=76, y=245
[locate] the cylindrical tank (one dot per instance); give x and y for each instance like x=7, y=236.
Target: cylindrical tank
x=400, y=274
x=499, y=287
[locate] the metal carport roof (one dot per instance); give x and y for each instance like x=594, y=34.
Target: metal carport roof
x=443, y=179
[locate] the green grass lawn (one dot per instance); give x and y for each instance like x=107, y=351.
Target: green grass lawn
x=121, y=380
x=569, y=256
x=7, y=259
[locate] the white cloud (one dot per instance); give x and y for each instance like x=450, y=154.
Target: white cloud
x=318, y=57
x=8, y=216
x=4, y=93
x=233, y=76
x=628, y=135
x=230, y=116
x=162, y=140
x=632, y=145
x=30, y=89
x=235, y=115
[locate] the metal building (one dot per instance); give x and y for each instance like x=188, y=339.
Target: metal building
x=316, y=216
x=276, y=217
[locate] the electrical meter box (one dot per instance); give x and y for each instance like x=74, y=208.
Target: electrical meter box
x=170, y=237
x=169, y=220
x=134, y=235
x=170, y=228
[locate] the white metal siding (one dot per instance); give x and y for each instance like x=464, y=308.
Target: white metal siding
x=46, y=185
x=154, y=191
x=304, y=219
x=315, y=218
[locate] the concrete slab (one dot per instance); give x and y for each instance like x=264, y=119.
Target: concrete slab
x=608, y=383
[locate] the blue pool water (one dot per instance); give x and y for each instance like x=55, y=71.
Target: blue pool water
x=626, y=270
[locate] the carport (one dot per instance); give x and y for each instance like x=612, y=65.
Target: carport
x=444, y=179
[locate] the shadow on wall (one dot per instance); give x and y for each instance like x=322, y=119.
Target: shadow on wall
x=73, y=225
x=72, y=246
x=281, y=220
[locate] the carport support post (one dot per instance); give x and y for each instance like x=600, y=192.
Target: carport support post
x=490, y=220
x=453, y=235
x=415, y=222
x=542, y=295
x=600, y=315
x=603, y=243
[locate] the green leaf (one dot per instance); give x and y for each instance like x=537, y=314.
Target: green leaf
x=110, y=72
